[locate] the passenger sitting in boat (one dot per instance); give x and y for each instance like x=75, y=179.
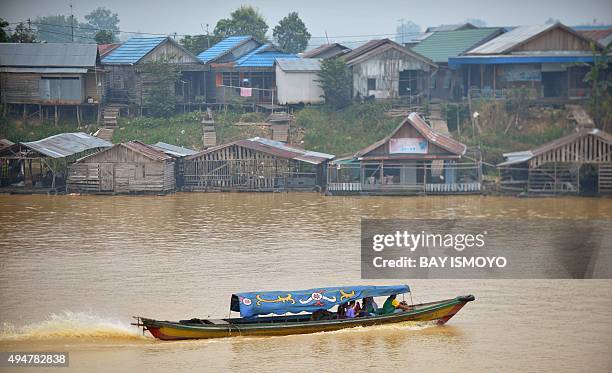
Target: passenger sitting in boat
x=393, y=305
x=342, y=310
x=370, y=308
x=351, y=311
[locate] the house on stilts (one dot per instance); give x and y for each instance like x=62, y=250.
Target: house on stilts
x=413, y=159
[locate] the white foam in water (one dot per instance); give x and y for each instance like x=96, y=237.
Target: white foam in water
x=70, y=324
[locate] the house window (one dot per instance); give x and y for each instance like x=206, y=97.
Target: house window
x=60, y=88
x=117, y=82
x=231, y=79
x=139, y=172
x=371, y=84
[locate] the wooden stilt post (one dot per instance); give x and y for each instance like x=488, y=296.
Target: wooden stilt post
x=55, y=117
x=40, y=112
x=24, y=112
x=78, y=116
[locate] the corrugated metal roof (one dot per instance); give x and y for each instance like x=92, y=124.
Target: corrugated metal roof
x=444, y=44
x=299, y=64
x=146, y=150
x=375, y=44
x=66, y=144
x=48, y=55
x=322, y=49
x=451, y=27
x=5, y=143
x=602, y=36
x=263, y=56
x=275, y=148
x=177, y=151
x=506, y=42
x=44, y=70
x=105, y=49
x=524, y=156
x=222, y=47
x=444, y=142
x=133, y=50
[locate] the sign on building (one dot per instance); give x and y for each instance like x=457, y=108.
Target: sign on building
x=408, y=145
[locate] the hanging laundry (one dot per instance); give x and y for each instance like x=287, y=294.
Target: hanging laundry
x=246, y=92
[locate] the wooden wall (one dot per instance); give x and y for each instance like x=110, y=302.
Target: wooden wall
x=556, y=39
x=19, y=88
x=588, y=149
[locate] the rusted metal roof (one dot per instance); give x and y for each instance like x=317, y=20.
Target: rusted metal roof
x=524, y=156
x=139, y=147
x=372, y=48
x=66, y=144
x=105, y=49
x=603, y=37
x=324, y=49
x=275, y=148
x=442, y=141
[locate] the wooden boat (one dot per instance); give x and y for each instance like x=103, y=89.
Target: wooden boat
x=251, y=305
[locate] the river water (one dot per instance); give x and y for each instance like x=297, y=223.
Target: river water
x=73, y=269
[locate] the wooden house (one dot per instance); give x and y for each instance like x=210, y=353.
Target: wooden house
x=384, y=69
x=579, y=163
x=128, y=85
x=241, y=66
x=131, y=167
x=546, y=61
x=255, y=164
x=44, y=78
x=413, y=159
x=446, y=82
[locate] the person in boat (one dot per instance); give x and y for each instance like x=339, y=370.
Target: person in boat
x=342, y=310
x=370, y=308
x=350, y=310
x=393, y=305
x=321, y=315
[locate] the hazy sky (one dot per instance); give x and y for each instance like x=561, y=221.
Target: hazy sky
x=337, y=18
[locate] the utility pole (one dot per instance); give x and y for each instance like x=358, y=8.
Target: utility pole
x=71, y=24
x=207, y=36
x=29, y=25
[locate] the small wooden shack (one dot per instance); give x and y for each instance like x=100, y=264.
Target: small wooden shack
x=384, y=69
x=297, y=81
x=579, y=163
x=255, y=164
x=42, y=78
x=131, y=167
x=413, y=159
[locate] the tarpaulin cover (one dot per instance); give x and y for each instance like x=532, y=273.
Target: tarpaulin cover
x=296, y=301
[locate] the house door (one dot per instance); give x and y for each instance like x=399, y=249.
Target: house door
x=409, y=174
x=107, y=175
x=555, y=83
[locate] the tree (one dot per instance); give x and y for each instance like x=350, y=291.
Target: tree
x=600, y=102
x=59, y=28
x=102, y=19
x=406, y=30
x=104, y=37
x=4, y=37
x=245, y=20
x=477, y=22
x=291, y=34
x=336, y=81
x=163, y=75
x=198, y=43
x=23, y=34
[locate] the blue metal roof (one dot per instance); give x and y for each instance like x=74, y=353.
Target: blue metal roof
x=514, y=59
x=262, y=57
x=133, y=50
x=222, y=47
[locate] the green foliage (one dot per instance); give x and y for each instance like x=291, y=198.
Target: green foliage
x=336, y=81
x=600, y=103
x=57, y=29
x=245, y=20
x=198, y=43
x=161, y=98
x=183, y=130
x=17, y=130
x=104, y=37
x=345, y=131
x=291, y=34
x=22, y=34
x=4, y=36
x=453, y=111
x=103, y=19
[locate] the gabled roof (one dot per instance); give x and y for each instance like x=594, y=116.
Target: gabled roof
x=299, y=64
x=524, y=156
x=275, y=148
x=442, y=141
x=64, y=55
x=511, y=40
x=143, y=149
x=323, y=49
x=66, y=144
x=442, y=45
x=223, y=47
x=263, y=56
x=133, y=50
x=452, y=27
x=602, y=36
x=374, y=47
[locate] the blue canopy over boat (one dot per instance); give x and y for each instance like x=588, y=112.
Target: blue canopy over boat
x=296, y=301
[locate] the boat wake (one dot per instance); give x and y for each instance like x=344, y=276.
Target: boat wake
x=71, y=325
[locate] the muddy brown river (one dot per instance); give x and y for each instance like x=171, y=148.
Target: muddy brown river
x=73, y=269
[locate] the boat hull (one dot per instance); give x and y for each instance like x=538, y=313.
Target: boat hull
x=440, y=312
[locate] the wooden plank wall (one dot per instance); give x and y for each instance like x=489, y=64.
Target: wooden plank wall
x=20, y=88
x=588, y=149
